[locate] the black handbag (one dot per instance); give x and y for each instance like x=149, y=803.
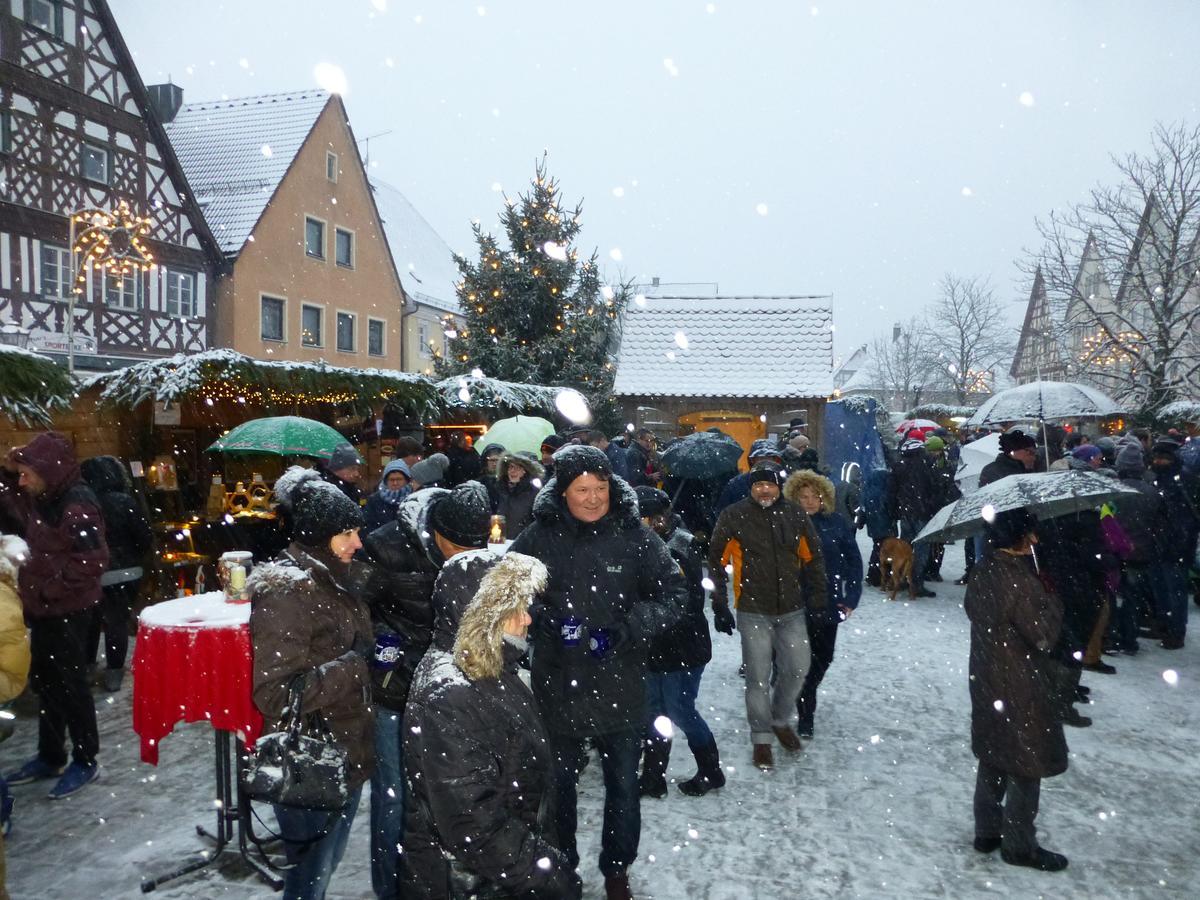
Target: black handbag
x=299, y=764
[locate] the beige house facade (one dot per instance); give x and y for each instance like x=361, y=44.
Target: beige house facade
x=285, y=192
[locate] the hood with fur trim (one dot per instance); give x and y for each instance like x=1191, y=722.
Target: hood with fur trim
x=806, y=478
x=507, y=589
x=549, y=505
x=530, y=465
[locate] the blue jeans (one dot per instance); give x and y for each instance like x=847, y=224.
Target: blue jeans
x=312, y=861
x=619, y=755
x=673, y=694
x=778, y=643
x=388, y=790
x=1169, y=581
x=909, y=529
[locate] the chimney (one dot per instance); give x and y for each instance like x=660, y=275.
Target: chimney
x=654, y=281
x=165, y=99
x=896, y=332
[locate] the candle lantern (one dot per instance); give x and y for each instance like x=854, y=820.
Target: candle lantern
x=496, y=530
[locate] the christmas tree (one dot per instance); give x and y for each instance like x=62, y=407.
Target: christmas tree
x=534, y=312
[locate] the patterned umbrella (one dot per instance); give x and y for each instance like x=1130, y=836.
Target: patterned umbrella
x=281, y=436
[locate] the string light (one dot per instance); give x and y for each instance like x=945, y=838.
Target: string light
x=112, y=241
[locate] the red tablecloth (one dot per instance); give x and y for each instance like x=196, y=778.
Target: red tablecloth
x=192, y=663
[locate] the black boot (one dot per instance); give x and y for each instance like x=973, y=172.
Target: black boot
x=655, y=756
x=708, y=775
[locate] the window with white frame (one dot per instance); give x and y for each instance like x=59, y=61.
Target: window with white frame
x=272, y=318
x=314, y=237
x=375, y=337
x=46, y=15
x=96, y=162
x=57, y=278
x=347, y=324
x=123, y=291
x=331, y=166
x=311, y=320
x=344, y=247
x=423, y=339
x=181, y=293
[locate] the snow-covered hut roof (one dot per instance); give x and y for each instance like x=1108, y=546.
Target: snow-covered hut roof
x=269, y=382
x=32, y=386
x=726, y=347
x=423, y=259
x=235, y=152
x=492, y=393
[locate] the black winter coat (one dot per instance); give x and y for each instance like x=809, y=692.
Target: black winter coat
x=1001, y=467
x=1180, y=522
x=688, y=645
x=126, y=530
x=1074, y=558
x=914, y=489
x=1140, y=516
x=617, y=574
x=479, y=770
x=401, y=563
x=515, y=503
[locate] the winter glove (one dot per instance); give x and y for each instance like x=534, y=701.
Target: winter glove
x=385, y=655
x=546, y=621
x=723, y=618
x=605, y=642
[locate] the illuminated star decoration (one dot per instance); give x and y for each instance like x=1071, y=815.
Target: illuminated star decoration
x=113, y=241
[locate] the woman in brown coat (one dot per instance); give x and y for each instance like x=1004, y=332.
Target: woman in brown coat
x=308, y=622
x=1014, y=731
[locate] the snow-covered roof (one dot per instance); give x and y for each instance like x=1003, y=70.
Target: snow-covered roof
x=235, y=152
x=423, y=259
x=726, y=347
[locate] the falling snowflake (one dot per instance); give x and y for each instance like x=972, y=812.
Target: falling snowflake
x=555, y=251
x=618, y=191
x=615, y=254
x=967, y=192
x=1026, y=99
x=681, y=340
x=266, y=150
x=761, y=209
x=672, y=69
x=1171, y=677
x=331, y=78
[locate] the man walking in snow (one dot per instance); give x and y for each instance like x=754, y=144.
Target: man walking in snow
x=59, y=585
x=613, y=587
x=769, y=549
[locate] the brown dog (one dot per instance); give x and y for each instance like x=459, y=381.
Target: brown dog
x=895, y=566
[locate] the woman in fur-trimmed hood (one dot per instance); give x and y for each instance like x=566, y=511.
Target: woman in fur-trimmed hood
x=474, y=747
x=518, y=479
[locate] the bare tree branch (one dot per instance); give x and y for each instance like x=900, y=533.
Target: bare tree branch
x=901, y=366
x=968, y=334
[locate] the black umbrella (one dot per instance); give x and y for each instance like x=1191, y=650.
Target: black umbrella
x=702, y=455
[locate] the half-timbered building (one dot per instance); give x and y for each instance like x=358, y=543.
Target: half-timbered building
x=77, y=134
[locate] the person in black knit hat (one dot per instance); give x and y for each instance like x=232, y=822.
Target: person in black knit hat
x=403, y=559
x=310, y=628
x=677, y=661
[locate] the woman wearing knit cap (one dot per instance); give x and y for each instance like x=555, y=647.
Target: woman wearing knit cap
x=479, y=763
x=307, y=623
x=430, y=472
x=394, y=485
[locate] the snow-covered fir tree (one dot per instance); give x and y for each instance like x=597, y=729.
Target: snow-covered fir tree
x=536, y=313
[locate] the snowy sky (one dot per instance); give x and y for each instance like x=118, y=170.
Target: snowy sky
x=859, y=149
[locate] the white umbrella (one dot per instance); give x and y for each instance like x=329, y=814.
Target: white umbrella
x=1044, y=494
x=1045, y=401
x=972, y=458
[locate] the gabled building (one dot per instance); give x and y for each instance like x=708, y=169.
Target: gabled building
x=427, y=269
x=283, y=188
x=1039, y=356
x=78, y=139
x=747, y=365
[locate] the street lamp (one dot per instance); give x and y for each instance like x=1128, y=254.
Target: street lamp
x=113, y=242
x=13, y=335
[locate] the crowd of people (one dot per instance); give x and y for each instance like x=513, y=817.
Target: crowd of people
x=390, y=620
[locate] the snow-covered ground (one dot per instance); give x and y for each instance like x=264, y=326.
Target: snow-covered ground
x=878, y=805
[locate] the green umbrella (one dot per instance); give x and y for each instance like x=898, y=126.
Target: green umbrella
x=281, y=436
x=517, y=433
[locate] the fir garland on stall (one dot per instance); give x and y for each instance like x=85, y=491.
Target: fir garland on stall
x=32, y=387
